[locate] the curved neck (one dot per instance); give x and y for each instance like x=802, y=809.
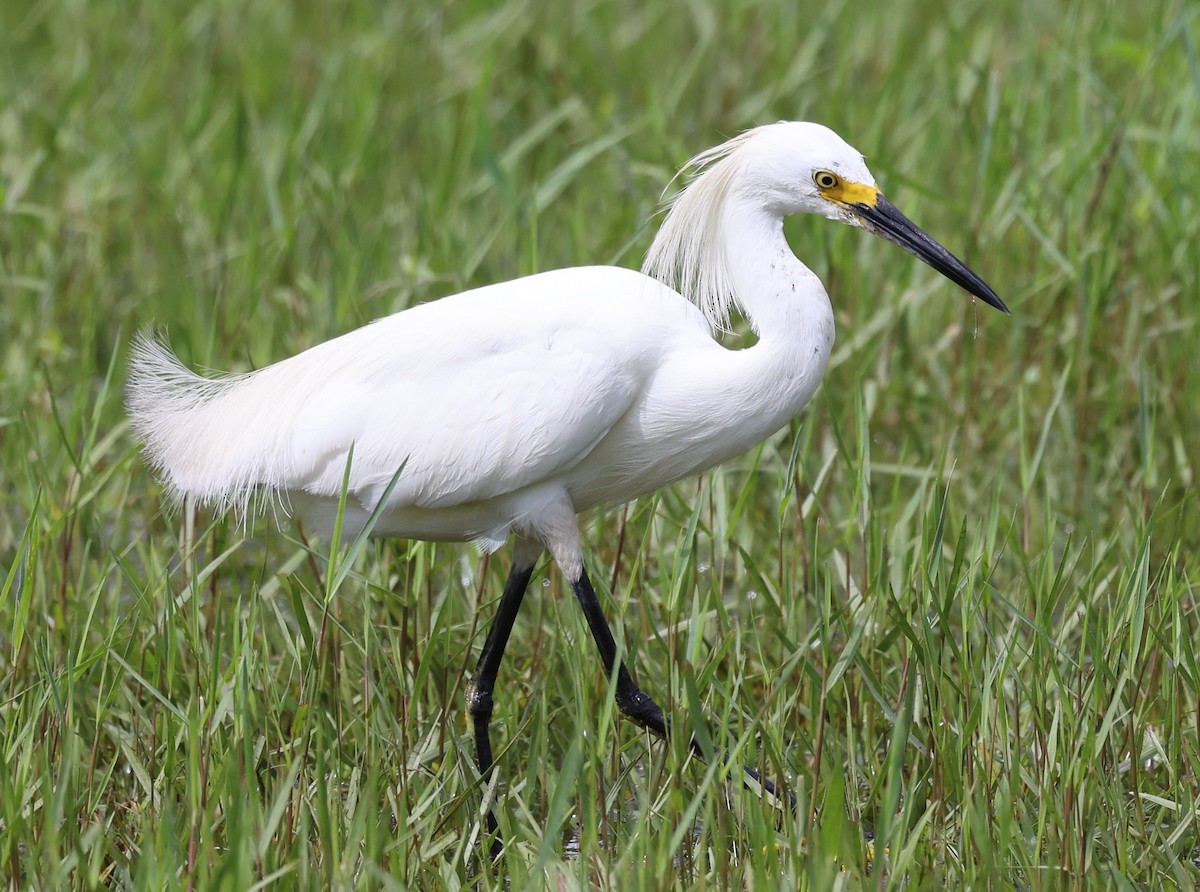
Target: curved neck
x=789, y=310
x=780, y=297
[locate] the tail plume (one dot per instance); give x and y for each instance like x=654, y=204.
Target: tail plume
x=191, y=426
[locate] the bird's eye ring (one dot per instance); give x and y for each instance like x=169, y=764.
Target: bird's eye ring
x=825, y=180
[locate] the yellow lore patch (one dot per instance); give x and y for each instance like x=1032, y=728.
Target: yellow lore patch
x=852, y=193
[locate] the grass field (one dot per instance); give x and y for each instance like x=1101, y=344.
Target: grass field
x=954, y=605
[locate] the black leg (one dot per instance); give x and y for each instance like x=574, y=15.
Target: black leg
x=635, y=703
x=631, y=700
x=479, y=700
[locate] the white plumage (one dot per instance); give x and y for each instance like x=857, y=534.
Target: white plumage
x=512, y=408
x=542, y=396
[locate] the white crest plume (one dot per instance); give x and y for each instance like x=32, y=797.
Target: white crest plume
x=690, y=252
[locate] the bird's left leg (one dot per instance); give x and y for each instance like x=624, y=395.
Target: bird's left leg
x=479, y=698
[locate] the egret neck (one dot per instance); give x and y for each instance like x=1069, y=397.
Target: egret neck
x=785, y=304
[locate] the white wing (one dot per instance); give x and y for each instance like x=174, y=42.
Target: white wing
x=476, y=395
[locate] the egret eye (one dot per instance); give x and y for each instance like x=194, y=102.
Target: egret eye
x=826, y=180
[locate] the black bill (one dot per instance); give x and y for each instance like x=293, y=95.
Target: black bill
x=884, y=220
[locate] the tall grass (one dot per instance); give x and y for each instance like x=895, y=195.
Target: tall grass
x=954, y=606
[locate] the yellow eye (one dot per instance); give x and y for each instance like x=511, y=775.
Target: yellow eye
x=826, y=180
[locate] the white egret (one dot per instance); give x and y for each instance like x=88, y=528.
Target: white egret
x=514, y=407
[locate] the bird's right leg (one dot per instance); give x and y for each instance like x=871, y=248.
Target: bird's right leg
x=635, y=703
x=479, y=699
x=561, y=535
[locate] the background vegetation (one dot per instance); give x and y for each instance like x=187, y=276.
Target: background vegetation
x=954, y=605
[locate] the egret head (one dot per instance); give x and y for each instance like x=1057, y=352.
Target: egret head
x=792, y=167
x=795, y=167
x=799, y=167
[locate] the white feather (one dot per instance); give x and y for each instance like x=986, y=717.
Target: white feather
x=691, y=251
x=512, y=408
x=515, y=406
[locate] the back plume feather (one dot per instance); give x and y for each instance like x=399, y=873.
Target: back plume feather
x=212, y=439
